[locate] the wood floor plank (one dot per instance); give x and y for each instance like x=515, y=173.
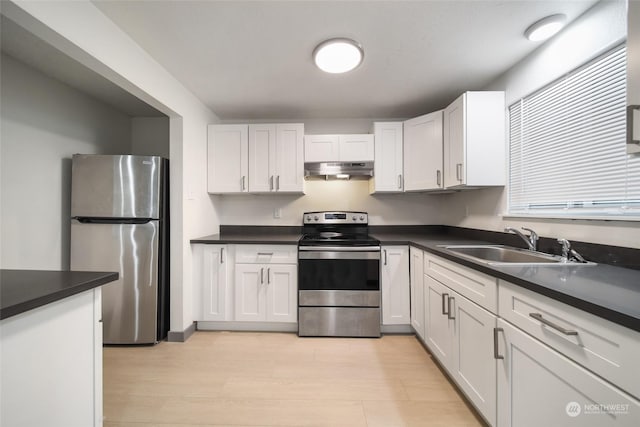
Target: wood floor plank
x=279, y=379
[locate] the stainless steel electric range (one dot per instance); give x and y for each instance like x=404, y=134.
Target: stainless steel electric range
x=338, y=276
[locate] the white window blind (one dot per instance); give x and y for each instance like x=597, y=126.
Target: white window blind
x=567, y=146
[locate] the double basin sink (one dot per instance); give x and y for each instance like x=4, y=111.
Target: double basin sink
x=499, y=255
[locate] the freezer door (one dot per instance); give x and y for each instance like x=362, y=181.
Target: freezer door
x=129, y=305
x=116, y=186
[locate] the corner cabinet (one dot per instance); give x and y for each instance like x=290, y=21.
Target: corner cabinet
x=388, y=164
x=227, y=159
x=474, y=141
x=256, y=158
x=423, y=153
x=394, y=277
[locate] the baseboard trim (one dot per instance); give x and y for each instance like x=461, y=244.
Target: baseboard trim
x=396, y=329
x=247, y=326
x=181, y=336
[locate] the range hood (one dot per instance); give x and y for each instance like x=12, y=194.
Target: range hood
x=338, y=170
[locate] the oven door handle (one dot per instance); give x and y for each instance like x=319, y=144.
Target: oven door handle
x=339, y=248
x=357, y=255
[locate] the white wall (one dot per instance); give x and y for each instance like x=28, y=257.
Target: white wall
x=150, y=136
x=599, y=29
x=43, y=123
x=81, y=31
x=383, y=209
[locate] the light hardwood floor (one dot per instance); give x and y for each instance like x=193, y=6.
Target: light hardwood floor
x=279, y=379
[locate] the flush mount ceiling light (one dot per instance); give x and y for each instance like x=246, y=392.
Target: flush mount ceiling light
x=338, y=55
x=545, y=28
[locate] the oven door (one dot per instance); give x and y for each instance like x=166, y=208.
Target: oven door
x=339, y=276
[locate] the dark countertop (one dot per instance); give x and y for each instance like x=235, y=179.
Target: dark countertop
x=612, y=293
x=250, y=238
x=24, y=290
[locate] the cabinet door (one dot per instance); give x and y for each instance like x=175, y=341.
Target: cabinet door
x=215, y=279
x=281, y=295
x=321, y=148
x=423, y=152
x=250, y=292
x=474, y=365
x=417, y=291
x=289, y=158
x=538, y=386
x=438, y=327
x=395, y=285
x=388, y=172
x=262, y=158
x=227, y=159
x=454, y=140
x=356, y=148
x=633, y=73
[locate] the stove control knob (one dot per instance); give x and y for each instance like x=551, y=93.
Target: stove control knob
x=316, y=218
x=308, y=217
x=361, y=217
x=353, y=218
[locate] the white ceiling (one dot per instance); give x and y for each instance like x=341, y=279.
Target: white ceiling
x=252, y=59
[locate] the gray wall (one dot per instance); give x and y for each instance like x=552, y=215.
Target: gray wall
x=43, y=123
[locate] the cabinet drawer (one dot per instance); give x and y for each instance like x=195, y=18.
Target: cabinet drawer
x=478, y=287
x=267, y=254
x=608, y=349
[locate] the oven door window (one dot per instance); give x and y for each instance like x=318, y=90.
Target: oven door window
x=339, y=274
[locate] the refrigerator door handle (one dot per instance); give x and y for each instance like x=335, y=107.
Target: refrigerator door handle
x=87, y=220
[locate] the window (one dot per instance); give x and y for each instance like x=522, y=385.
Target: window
x=567, y=146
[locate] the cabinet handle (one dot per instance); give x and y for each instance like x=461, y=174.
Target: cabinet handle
x=450, y=315
x=400, y=181
x=268, y=275
x=459, y=171
x=496, y=354
x=555, y=326
x=278, y=183
x=221, y=255
x=261, y=275
x=385, y=256
x=444, y=305
x=630, y=117
x=271, y=183
x=438, y=178
x=265, y=253
x=243, y=178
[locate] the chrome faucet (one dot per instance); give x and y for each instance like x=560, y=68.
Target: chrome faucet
x=531, y=240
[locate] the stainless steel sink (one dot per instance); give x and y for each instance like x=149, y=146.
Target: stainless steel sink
x=506, y=255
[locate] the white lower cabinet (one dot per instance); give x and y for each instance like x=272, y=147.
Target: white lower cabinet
x=438, y=326
x=394, y=272
x=416, y=260
x=537, y=386
x=266, y=292
x=215, y=283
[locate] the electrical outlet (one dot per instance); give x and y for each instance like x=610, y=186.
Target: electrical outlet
x=277, y=213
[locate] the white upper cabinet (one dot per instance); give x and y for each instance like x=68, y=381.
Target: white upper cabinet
x=289, y=158
x=256, y=158
x=633, y=75
x=388, y=172
x=423, y=153
x=338, y=148
x=356, y=148
x=321, y=148
x=276, y=159
x=227, y=159
x=474, y=140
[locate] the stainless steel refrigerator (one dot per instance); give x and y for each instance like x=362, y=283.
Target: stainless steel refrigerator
x=120, y=222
